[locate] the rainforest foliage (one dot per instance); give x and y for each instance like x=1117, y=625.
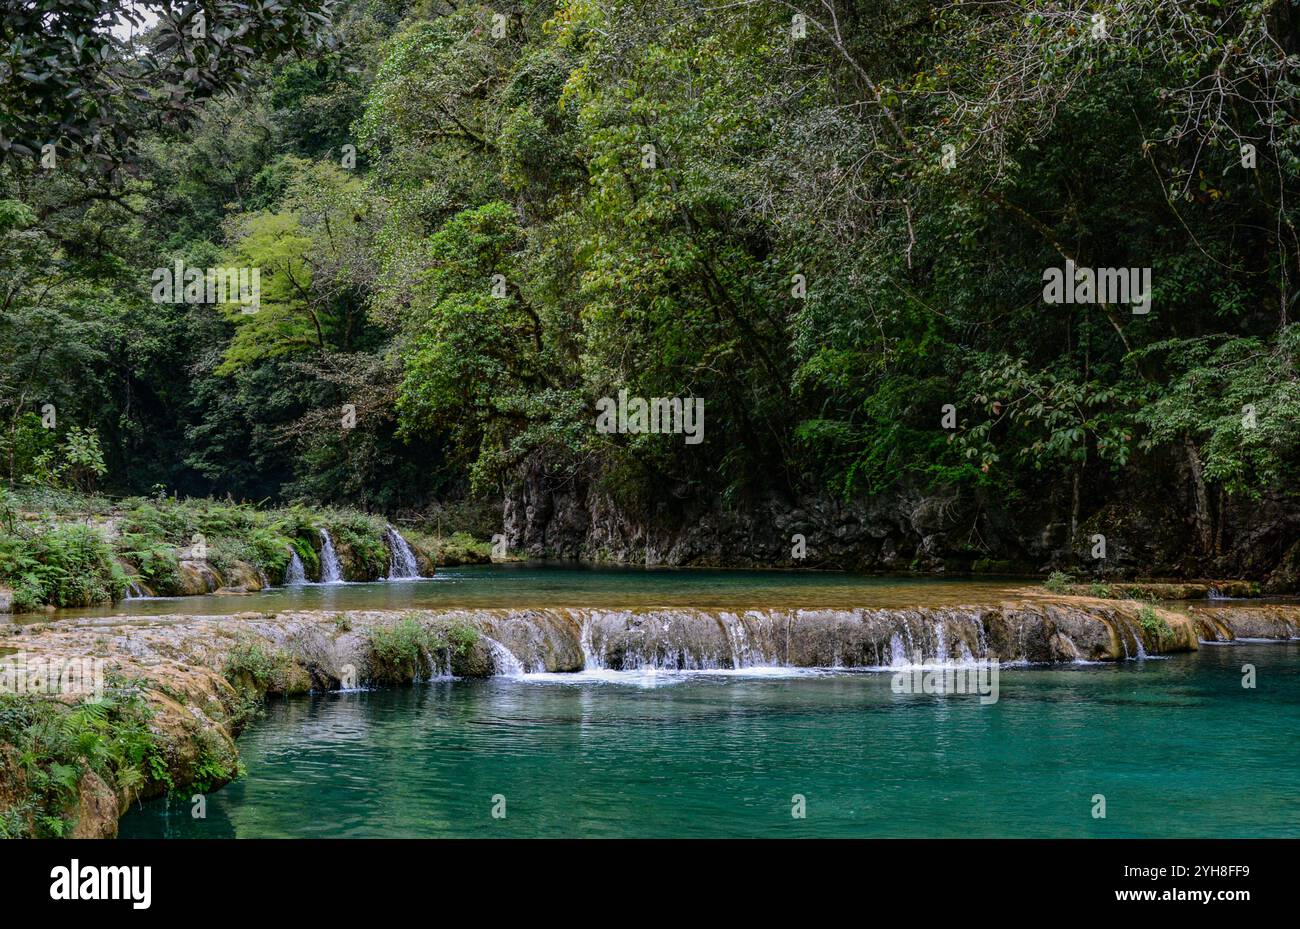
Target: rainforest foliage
x=828, y=220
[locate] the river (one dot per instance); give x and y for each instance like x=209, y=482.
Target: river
x=1176, y=746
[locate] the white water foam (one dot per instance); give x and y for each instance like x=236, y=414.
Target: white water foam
x=650, y=678
x=506, y=664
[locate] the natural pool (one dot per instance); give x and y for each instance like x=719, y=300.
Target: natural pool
x=529, y=586
x=1177, y=747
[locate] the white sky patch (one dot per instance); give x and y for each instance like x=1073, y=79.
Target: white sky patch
x=124, y=30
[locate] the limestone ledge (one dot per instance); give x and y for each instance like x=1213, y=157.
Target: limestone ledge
x=198, y=690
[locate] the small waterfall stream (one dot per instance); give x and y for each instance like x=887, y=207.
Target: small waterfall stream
x=294, y=573
x=330, y=571
x=1141, y=649
x=507, y=665
x=591, y=660
x=402, y=563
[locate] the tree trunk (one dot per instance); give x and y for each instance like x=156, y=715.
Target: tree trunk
x=1200, y=498
x=1074, y=513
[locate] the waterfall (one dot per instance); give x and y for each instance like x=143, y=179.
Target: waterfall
x=439, y=666
x=401, y=560
x=294, y=574
x=134, y=591
x=897, y=652
x=330, y=573
x=590, y=660
x=681, y=639
x=737, y=641
x=507, y=665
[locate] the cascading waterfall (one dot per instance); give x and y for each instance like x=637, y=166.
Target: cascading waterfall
x=693, y=639
x=1141, y=649
x=134, y=591
x=402, y=563
x=439, y=665
x=330, y=571
x=507, y=665
x=897, y=652
x=742, y=655
x=516, y=642
x=591, y=661
x=294, y=573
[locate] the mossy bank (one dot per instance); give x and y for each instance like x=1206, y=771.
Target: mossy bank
x=61, y=550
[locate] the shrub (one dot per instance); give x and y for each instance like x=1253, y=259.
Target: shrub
x=1153, y=623
x=68, y=565
x=362, y=537
x=216, y=764
x=251, y=663
x=1058, y=582
x=404, y=650
x=398, y=652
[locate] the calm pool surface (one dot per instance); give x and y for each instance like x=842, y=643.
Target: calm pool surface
x=523, y=586
x=1177, y=747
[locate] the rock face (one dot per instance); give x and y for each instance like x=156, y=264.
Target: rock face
x=97, y=809
x=241, y=577
x=1285, y=576
x=194, y=717
x=566, y=516
x=1226, y=623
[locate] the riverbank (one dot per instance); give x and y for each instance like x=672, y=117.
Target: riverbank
x=60, y=550
x=198, y=680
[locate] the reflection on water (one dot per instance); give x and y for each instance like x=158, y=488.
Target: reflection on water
x=1178, y=748
x=521, y=586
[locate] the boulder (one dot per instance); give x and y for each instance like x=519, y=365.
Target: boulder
x=241, y=577
x=194, y=577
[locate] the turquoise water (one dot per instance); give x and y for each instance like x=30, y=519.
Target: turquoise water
x=1177, y=747
x=522, y=586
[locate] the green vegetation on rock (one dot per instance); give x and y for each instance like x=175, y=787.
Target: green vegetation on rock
x=67, y=549
x=408, y=648
x=48, y=749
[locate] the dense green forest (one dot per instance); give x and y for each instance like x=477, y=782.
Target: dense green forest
x=831, y=221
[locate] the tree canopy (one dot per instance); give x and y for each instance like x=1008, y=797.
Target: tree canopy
x=831, y=221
